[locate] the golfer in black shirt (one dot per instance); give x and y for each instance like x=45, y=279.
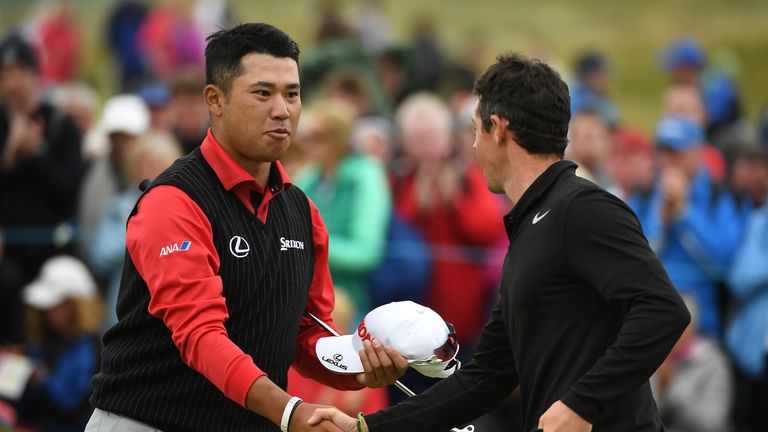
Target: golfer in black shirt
x=586, y=311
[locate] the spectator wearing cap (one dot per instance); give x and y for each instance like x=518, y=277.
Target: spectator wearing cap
x=692, y=222
x=684, y=60
x=686, y=100
x=63, y=315
x=157, y=96
x=41, y=166
x=593, y=75
x=146, y=158
x=124, y=118
x=631, y=162
x=726, y=127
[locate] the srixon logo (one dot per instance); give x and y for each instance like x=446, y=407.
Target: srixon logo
x=286, y=244
x=176, y=247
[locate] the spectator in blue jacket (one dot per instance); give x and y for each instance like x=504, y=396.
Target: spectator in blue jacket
x=746, y=337
x=693, y=223
x=591, y=91
x=63, y=316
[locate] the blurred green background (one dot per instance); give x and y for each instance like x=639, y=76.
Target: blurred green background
x=734, y=32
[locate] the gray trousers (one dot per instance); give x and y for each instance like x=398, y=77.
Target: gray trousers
x=103, y=421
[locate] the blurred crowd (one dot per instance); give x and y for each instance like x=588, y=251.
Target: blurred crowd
x=384, y=148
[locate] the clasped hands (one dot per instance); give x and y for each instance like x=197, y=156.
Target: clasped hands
x=382, y=366
x=558, y=418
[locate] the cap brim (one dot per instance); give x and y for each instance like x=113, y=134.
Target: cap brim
x=338, y=354
x=41, y=296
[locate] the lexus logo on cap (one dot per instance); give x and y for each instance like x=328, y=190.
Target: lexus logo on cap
x=239, y=247
x=338, y=357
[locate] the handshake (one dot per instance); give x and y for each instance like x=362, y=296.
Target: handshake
x=390, y=339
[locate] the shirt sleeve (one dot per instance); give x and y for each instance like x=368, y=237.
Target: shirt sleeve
x=475, y=389
x=320, y=304
x=606, y=248
x=185, y=289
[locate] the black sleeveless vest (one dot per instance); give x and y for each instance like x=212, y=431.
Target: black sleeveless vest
x=266, y=277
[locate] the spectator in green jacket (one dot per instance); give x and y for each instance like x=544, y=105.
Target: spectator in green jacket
x=352, y=193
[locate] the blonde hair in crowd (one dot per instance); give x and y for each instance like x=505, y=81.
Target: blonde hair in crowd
x=88, y=315
x=149, y=155
x=337, y=117
x=420, y=105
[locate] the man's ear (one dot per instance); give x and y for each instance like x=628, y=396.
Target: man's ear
x=499, y=128
x=214, y=98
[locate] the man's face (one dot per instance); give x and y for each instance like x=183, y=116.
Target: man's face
x=487, y=155
x=17, y=84
x=590, y=140
x=261, y=112
x=631, y=169
x=190, y=114
x=685, y=101
x=119, y=142
x=751, y=177
x=688, y=160
x=425, y=139
x=322, y=144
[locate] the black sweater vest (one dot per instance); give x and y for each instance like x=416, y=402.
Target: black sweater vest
x=265, y=286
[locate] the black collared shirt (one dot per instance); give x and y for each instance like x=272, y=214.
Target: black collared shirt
x=586, y=314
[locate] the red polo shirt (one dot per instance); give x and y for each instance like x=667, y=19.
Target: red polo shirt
x=186, y=290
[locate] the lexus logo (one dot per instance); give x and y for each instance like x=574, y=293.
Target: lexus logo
x=338, y=357
x=239, y=247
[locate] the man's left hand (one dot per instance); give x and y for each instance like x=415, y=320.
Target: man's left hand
x=560, y=418
x=382, y=365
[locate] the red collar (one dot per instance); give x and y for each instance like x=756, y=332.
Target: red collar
x=231, y=174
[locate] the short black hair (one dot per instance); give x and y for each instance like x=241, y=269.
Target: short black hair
x=226, y=48
x=532, y=97
x=14, y=49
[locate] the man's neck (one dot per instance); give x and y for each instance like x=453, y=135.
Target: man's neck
x=258, y=170
x=525, y=171
x=260, y=173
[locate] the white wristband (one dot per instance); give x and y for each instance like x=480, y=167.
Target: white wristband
x=287, y=412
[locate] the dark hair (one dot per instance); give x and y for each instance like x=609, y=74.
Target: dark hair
x=226, y=48
x=532, y=97
x=14, y=49
x=590, y=62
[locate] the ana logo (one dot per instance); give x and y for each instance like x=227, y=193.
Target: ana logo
x=239, y=247
x=290, y=244
x=336, y=361
x=176, y=247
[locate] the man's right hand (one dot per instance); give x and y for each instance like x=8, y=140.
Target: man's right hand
x=324, y=415
x=268, y=400
x=304, y=414
x=674, y=185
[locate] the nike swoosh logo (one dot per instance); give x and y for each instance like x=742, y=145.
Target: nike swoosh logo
x=538, y=217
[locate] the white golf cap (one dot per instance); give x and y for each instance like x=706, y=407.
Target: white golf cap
x=126, y=113
x=415, y=331
x=61, y=277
